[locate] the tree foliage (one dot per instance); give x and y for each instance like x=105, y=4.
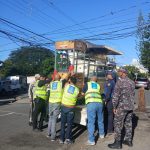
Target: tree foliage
x=143, y=34
x=28, y=61
x=132, y=70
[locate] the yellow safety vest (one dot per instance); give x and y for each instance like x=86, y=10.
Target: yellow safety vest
x=56, y=92
x=70, y=95
x=41, y=91
x=93, y=93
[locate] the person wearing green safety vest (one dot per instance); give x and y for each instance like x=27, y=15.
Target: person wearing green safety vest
x=67, y=110
x=31, y=94
x=40, y=103
x=94, y=104
x=55, y=97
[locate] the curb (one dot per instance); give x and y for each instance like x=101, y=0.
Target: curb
x=7, y=100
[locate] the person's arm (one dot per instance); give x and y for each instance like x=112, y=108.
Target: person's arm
x=42, y=83
x=107, y=91
x=85, y=88
x=64, y=81
x=30, y=92
x=116, y=95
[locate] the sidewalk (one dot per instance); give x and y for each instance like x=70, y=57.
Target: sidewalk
x=140, y=141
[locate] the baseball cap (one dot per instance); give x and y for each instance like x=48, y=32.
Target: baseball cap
x=109, y=73
x=122, y=70
x=37, y=75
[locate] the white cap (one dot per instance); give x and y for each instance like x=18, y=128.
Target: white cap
x=37, y=75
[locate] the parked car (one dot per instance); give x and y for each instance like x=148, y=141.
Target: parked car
x=19, y=81
x=142, y=82
x=7, y=86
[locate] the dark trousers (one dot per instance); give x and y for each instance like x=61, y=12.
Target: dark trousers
x=67, y=116
x=110, y=117
x=123, y=118
x=31, y=111
x=40, y=107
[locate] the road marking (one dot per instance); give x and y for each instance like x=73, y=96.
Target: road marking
x=4, y=111
x=6, y=114
x=13, y=113
x=20, y=114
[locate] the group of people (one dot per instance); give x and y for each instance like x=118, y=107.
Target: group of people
x=118, y=100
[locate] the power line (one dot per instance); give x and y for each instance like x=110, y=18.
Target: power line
x=4, y=20
x=103, y=16
x=13, y=36
x=46, y=15
x=43, y=23
x=99, y=26
x=64, y=14
x=114, y=36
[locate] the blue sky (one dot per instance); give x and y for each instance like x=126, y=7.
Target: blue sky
x=74, y=19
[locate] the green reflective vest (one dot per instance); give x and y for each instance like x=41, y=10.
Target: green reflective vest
x=93, y=93
x=56, y=92
x=70, y=95
x=41, y=92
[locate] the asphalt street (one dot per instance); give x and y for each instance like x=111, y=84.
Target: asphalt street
x=16, y=134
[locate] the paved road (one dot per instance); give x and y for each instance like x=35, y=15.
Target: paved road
x=17, y=135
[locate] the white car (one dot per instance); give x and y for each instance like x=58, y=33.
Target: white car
x=142, y=82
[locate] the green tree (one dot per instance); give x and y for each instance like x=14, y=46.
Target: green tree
x=29, y=61
x=48, y=66
x=132, y=70
x=143, y=35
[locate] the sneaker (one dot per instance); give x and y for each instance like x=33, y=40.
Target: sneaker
x=90, y=143
x=102, y=136
x=48, y=136
x=68, y=141
x=61, y=142
x=52, y=140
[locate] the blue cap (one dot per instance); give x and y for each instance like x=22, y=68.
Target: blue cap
x=123, y=70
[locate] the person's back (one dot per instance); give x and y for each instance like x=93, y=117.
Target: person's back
x=123, y=105
x=67, y=110
x=125, y=89
x=55, y=97
x=40, y=103
x=94, y=104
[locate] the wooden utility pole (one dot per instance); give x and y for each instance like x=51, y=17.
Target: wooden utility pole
x=141, y=99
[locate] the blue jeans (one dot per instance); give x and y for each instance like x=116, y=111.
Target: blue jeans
x=94, y=109
x=67, y=116
x=54, y=110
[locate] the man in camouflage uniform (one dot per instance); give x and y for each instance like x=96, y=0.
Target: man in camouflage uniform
x=123, y=105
